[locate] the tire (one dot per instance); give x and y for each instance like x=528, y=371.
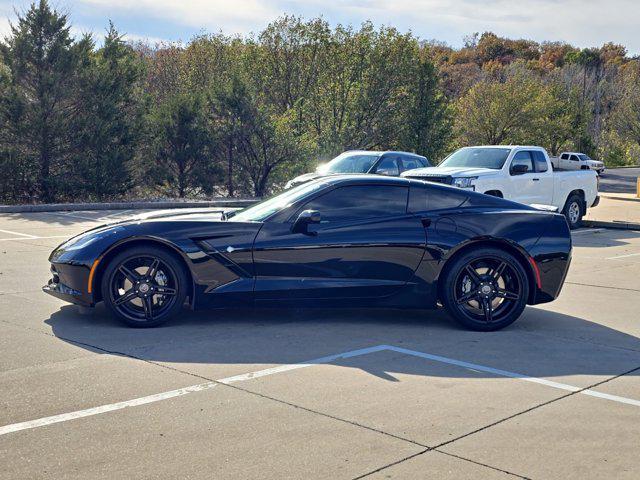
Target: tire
x=142, y=297
x=485, y=289
x=574, y=211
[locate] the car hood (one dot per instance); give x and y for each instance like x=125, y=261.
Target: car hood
x=165, y=224
x=449, y=171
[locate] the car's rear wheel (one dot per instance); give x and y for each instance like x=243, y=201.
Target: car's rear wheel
x=144, y=286
x=573, y=211
x=485, y=289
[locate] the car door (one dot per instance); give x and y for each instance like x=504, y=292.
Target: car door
x=523, y=185
x=573, y=163
x=366, y=245
x=543, y=179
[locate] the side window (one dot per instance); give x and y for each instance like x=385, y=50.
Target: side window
x=440, y=199
x=574, y=158
x=360, y=202
x=564, y=156
x=409, y=163
x=388, y=166
x=433, y=197
x=540, y=161
x=523, y=158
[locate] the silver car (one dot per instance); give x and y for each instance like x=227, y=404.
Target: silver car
x=363, y=161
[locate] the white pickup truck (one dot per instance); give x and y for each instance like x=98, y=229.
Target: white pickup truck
x=520, y=173
x=576, y=161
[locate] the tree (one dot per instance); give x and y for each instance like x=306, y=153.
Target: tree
x=230, y=111
x=179, y=144
x=427, y=119
x=495, y=113
x=43, y=60
x=107, y=124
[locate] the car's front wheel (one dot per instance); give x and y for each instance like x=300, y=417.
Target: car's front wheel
x=485, y=289
x=144, y=286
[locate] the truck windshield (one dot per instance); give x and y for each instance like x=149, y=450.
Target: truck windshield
x=477, y=157
x=349, y=162
x=582, y=156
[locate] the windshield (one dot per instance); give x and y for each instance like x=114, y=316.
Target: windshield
x=582, y=156
x=264, y=209
x=477, y=157
x=350, y=162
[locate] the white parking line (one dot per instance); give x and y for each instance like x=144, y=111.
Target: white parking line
x=17, y=233
x=72, y=215
x=64, y=417
x=33, y=238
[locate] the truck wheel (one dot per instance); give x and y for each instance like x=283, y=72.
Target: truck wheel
x=574, y=211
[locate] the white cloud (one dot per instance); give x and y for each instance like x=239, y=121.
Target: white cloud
x=581, y=22
x=240, y=16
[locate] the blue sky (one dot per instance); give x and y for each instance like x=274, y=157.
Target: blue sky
x=583, y=23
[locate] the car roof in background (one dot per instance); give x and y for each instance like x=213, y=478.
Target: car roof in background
x=372, y=179
x=385, y=152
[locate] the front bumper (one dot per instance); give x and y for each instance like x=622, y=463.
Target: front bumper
x=596, y=202
x=69, y=283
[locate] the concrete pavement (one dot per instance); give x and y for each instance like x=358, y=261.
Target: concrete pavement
x=406, y=408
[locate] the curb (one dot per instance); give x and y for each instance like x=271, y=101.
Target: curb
x=618, y=225
x=70, y=207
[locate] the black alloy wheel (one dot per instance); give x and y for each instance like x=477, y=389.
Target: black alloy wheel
x=485, y=289
x=144, y=287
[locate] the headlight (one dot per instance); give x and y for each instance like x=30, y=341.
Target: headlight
x=464, y=182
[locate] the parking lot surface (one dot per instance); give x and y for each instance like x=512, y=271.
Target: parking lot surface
x=309, y=393
x=619, y=180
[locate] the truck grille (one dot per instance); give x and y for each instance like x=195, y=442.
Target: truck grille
x=446, y=179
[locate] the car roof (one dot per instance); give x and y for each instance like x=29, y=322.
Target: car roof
x=372, y=179
x=355, y=178
x=538, y=147
x=385, y=152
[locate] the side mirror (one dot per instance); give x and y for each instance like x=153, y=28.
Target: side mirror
x=306, y=218
x=519, y=169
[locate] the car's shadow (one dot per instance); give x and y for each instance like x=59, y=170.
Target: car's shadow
x=542, y=343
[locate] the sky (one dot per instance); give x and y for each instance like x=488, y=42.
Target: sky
x=584, y=23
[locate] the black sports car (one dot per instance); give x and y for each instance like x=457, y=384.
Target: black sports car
x=363, y=239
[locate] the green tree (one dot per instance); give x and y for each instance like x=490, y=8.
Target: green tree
x=427, y=119
x=107, y=122
x=43, y=60
x=494, y=113
x=179, y=144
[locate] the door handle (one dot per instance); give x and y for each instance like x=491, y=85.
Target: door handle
x=535, y=179
x=425, y=222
